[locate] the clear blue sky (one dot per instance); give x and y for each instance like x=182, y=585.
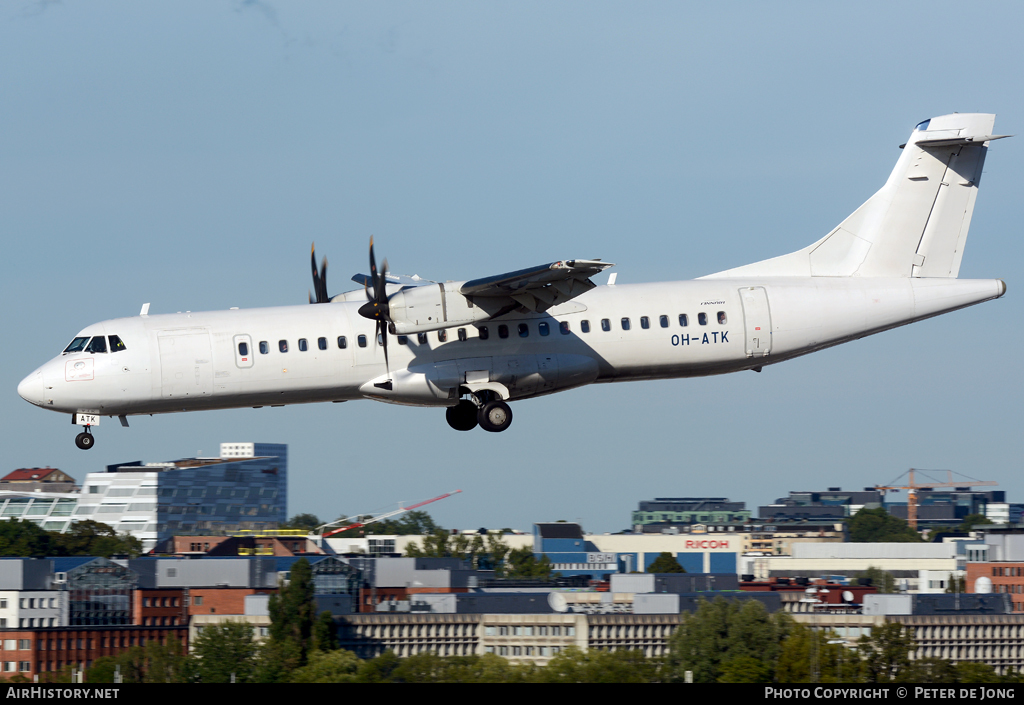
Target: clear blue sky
x=187, y=153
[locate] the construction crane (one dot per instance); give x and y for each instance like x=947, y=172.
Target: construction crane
x=374, y=518
x=912, y=488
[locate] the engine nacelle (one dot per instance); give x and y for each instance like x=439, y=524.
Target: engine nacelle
x=432, y=307
x=416, y=386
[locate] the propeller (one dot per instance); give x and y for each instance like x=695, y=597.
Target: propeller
x=319, y=280
x=376, y=308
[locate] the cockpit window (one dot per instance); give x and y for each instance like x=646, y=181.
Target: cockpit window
x=923, y=125
x=98, y=345
x=115, y=344
x=77, y=345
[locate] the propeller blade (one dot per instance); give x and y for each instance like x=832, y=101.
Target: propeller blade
x=319, y=279
x=322, y=296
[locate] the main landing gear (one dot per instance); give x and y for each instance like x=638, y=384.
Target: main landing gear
x=85, y=440
x=483, y=409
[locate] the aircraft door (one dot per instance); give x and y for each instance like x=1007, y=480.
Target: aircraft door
x=757, y=321
x=186, y=368
x=243, y=351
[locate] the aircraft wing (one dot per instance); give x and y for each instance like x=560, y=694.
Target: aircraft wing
x=541, y=287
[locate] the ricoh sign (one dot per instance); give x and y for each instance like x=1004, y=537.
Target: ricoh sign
x=704, y=544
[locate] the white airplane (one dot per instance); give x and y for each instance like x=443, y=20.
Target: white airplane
x=473, y=346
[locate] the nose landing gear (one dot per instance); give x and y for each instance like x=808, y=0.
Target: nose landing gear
x=85, y=440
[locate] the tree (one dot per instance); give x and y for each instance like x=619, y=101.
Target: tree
x=886, y=651
x=293, y=611
x=956, y=583
x=807, y=656
x=23, y=538
x=878, y=526
x=969, y=522
x=522, y=563
x=223, y=650
x=722, y=631
x=665, y=563
x=303, y=521
x=91, y=538
x=337, y=666
x=599, y=666
x=883, y=580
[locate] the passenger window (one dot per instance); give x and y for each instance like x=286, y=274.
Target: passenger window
x=403, y=340
x=321, y=343
x=282, y=345
x=722, y=320
x=484, y=333
x=421, y=338
x=77, y=345
x=663, y=320
x=606, y=325
x=264, y=347
x=442, y=336
x=683, y=320
x=380, y=339
x=524, y=330
x=98, y=345
x=462, y=334
x=585, y=325
x=342, y=342
x=645, y=322
x=115, y=344
x=303, y=345
x=543, y=328
x=502, y=331
x=702, y=318
x=361, y=340
x=625, y=324
x=243, y=349
x=563, y=327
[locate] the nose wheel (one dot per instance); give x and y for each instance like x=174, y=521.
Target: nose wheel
x=85, y=440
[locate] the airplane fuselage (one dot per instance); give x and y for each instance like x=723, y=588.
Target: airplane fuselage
x=328, y=353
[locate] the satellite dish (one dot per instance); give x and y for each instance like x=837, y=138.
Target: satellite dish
x=556, y=601
x=847, y=596
x=983, y=585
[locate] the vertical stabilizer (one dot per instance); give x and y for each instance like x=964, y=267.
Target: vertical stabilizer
x=916, y=224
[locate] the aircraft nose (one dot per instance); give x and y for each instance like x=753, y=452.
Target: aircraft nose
x=31, y=388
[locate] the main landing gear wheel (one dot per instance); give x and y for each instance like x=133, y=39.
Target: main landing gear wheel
x=495, y=416
x=463, y=416
x=85, y=440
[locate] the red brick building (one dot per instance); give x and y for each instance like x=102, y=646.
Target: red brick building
x=159, y=608
x=221, y=600
x=29, y=652
x=1006, y=577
